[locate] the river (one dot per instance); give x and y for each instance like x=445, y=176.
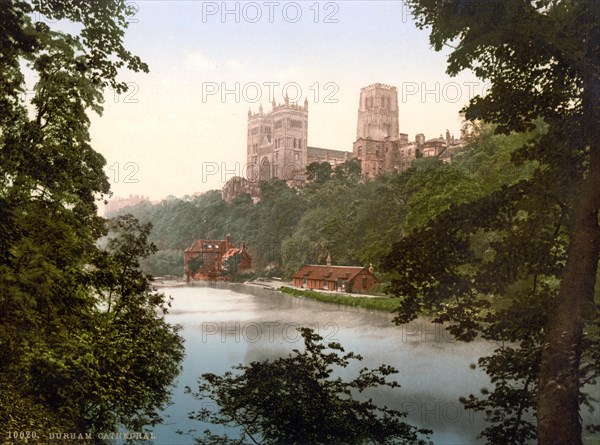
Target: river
x=240, y=324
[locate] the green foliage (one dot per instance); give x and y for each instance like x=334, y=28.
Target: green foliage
x=297, y=399
x=195, y=263
x=82, y=348
x=535, y=243
x=319, y=172
x=163, y=262
x=348, y=171
x=231, y=266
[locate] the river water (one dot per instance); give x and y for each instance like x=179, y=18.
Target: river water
x=223, y=327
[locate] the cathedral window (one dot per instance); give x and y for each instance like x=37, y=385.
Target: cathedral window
x=296, y=156
x=294, y=142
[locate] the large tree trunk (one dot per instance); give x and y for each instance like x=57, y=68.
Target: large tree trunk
x=558, y=398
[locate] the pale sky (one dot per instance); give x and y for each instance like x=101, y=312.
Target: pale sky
x=210, y=62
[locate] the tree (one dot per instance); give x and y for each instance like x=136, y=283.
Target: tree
x=491, y=266
x=231, y=266
x=195, y=264
x=297, y=400
x=60, y=345
x=541, y=59
x=135, y=355
x=278, y=213
x=348, y=171
x=319, y=172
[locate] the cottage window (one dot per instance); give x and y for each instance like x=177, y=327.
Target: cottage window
x=324, y=284
x=304, y=282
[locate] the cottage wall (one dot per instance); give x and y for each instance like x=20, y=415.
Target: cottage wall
x=363, y=282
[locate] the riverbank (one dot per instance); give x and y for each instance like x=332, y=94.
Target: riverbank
x=385, y=304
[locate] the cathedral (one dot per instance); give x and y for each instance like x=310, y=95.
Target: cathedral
x=277, y=144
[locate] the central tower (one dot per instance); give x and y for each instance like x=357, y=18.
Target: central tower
x=379, y=146
x=378, y=113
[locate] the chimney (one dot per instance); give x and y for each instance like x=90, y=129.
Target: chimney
x=371, y=268
x=328, y=260
x=228, y=241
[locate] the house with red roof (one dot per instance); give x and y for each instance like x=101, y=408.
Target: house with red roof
x=209, y=260
x=338, y=278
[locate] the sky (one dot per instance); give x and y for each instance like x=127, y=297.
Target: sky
x=181, y=129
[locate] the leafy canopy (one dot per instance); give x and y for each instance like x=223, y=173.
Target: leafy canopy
x=297, y=400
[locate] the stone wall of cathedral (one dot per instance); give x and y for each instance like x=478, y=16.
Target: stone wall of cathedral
x=277, y=142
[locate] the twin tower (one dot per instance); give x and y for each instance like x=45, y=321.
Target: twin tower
x=277, y=141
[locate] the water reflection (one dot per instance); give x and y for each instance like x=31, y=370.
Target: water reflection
x=222, y=328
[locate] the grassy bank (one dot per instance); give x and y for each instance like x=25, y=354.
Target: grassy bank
x=378, y=303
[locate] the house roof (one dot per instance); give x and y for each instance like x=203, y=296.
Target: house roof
x=317, y=151
x=207, y=245
x=435, y=141
x=235, y=251
x=334, y=273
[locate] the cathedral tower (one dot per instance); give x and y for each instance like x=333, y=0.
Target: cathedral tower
x=277, y=142
x=378, y=113
x=379, y=143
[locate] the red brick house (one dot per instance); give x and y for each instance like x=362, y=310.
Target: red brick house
x=214, y=256
x=340, y=278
